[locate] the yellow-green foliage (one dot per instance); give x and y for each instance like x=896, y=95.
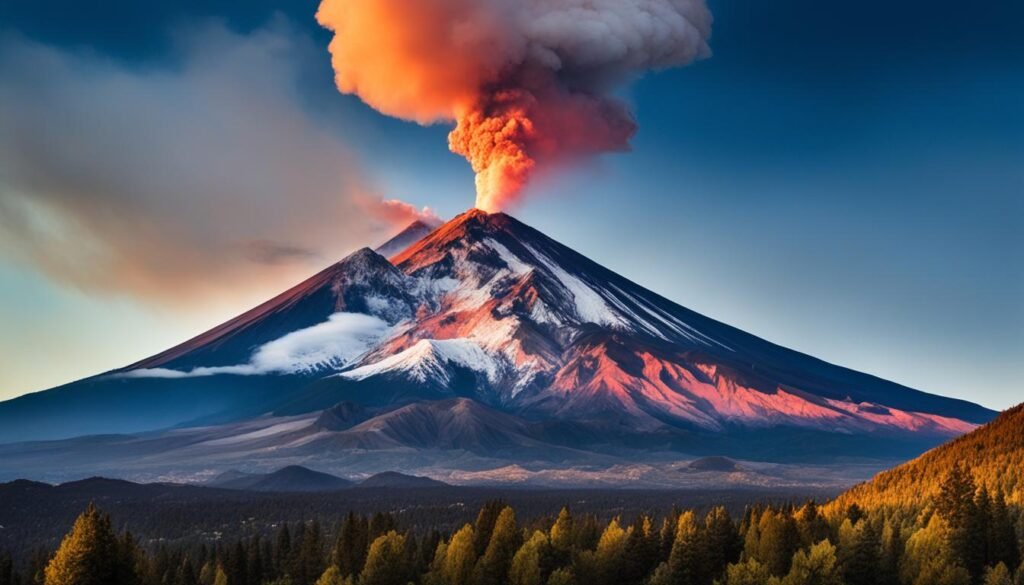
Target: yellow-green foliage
x=994, y=453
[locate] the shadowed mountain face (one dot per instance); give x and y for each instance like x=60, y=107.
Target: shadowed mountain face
x=293, y=478
x=484, y=337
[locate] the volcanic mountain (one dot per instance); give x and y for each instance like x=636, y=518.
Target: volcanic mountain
x=487, y=336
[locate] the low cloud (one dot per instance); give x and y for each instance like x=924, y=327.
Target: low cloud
x=181, y=181
x=332, y=344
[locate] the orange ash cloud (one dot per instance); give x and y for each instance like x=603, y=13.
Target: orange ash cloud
x=527, y=82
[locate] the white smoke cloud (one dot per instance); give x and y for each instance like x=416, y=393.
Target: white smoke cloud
x=169, y=182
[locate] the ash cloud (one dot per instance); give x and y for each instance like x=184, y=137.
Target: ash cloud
x=528, y=83
x=169, y=182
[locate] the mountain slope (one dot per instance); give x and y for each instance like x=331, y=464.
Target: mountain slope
x=994, y=453
x=487, y=335
x=293, y=478
x=413, y=233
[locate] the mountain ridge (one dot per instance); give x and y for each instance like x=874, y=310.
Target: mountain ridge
x=488, y=316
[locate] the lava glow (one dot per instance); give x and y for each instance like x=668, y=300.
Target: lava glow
x=527, y=82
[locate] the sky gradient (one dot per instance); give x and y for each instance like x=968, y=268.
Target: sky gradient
x=845, y=179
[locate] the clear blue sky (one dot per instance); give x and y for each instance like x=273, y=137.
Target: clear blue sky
x=844, y=178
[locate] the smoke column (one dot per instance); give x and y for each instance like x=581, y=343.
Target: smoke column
x=527, y=82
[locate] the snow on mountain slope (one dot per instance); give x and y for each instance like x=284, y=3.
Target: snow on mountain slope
x=412, y=233
x=488, y=309
x=431, y=360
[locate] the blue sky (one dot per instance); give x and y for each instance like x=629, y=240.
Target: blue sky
x=842, y=178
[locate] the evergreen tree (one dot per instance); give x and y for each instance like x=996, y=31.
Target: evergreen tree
x=309, y=562
x=811, y=525
x=485, y=521
x=685, y=560
x=927, y=559
x=1002, y=540
x=350, y=548
x=460, y=557
x=527, y=564
x=956, y=505
x=220, y=578
x=817, y=566
x=777, y=540
x=563, y=576
x=890, y=554
x=386, y=561
x=283, y=551
x=998, y=575
x=88, y=555
x=610, y=556
x=380, y=523
x=721, y=543
x=859, y=548
x=562, y=532
x=749, y=572
x=493, y=566
x=642, y=547
x=331, y=576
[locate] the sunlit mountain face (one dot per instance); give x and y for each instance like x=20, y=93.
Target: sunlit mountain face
x=482, y=345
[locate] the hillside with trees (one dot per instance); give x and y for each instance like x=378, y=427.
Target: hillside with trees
x=952, y=517
x=994, y=453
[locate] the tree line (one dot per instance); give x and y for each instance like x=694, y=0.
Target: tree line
x=963, y=535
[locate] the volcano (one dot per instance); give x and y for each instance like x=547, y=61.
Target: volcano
x=484, y=336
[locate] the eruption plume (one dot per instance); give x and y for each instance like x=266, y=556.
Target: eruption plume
x=528, y=83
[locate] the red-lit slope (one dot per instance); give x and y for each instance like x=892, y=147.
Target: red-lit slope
x=487, y=309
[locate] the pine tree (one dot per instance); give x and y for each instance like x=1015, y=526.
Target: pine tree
x=721, y=543
x=859, y=548
x=685, y=562
x=331, y=576
x=610, y=554
x=956, y=505
x=811, y=525
x=350, y=548
x=642, y=547
x=562, y=532
x=485, y=521
x=998, y=575
x=890, y=553
x=527, y=564
x=817, y=566
x=778, y=540
x=283, y=551
x=502, y=546
x=563, y=576
x=380, y=523
x=220, y=578
x=88, y=555
x=1002, y=537
x=460, y=557
x=386, y=561
x=749, y=572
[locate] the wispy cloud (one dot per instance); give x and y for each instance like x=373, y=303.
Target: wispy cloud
x=169, y=182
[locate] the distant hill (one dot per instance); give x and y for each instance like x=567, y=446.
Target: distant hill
x=393, y=479
x=714, y=463
x=993, y=452
x=293, y=478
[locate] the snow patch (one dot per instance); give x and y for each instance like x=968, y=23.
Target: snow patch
x=332, y=344
x=426, y=360
x=590, y=305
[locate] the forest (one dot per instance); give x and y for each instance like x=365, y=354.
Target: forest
x=964, y=534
